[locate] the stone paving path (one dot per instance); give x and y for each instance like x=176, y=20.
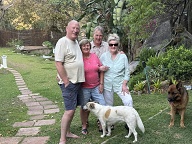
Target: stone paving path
x=38, y=106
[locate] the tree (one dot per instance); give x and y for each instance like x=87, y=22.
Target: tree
x=128, y=18
x=4, y=6
x=108, y=14
x=41, y=14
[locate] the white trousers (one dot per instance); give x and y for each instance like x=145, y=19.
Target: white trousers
x=109, y=97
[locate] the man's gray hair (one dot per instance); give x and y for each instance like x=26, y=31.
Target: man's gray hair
x=99, y=28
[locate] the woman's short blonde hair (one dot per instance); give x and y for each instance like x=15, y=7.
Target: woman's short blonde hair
x=114, y=37
x=83, y=42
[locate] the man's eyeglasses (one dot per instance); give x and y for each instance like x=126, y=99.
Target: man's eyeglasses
x=113, y=44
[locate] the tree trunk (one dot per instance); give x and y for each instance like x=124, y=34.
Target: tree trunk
x=189, y=16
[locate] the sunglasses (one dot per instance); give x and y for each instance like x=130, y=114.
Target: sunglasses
x=113, y=44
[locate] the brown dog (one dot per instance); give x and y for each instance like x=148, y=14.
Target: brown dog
x=178, y=99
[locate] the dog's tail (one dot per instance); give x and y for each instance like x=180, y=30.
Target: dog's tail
x=139, y=122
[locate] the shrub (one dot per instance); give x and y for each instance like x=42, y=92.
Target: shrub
x=158, y=72
x=135, y=78
x=175, y=63
x=14, y=42
x=47, y=44
x=144, y=55
x=179, y=63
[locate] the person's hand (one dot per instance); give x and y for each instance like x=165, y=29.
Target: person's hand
x=122, y=52
x=125, y=89
x=66, y=83
x=104, y=68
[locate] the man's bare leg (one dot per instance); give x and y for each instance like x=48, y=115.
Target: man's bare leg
x=65, y=126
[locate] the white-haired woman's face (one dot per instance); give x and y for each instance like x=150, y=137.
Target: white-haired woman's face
x=113, y=46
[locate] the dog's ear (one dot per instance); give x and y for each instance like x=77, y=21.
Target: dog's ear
x=92, y=106
x=179, y=85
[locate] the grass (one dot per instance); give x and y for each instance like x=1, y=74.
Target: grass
x=39, y=75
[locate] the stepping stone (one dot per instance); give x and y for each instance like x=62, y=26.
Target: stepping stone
x=41, y=99
x=24, y=88
x=28, y=100
x=32, y=104
x=26, y=92
x=21, y=96
x=24, y=124
x=49, y=111
x=44, y=122
x=35, y=140
x=35, y=108
x=28, y=131
x=50, y=106
x=37, y=117
x=17, y=75
x=19, y=80
x=20, y=83
x=35, y=112
x=25, y=98
x=10, y=140
x=34, y=94
x=46, y=102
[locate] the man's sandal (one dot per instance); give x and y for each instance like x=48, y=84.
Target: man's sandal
x=84, y=131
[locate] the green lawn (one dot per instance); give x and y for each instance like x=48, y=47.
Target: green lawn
x=39, y=75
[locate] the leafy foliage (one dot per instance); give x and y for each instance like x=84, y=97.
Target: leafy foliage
x=176, y=63
x=139, y=17
x=156, y=85
x=48, y=14
x=144, y=56
x=139, y=86
x=135, y=78
x=47, y=44
x=14, y=42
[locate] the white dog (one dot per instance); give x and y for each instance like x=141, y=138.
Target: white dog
x=109, y=115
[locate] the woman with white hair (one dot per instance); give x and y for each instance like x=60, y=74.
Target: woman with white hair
x=117, y=75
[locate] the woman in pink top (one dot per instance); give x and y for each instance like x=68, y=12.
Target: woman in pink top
x=93, y=86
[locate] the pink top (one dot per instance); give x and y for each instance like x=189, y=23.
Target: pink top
x=91, y=67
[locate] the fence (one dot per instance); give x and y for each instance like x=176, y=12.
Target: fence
x=29, y=37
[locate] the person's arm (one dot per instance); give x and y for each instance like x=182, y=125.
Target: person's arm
x=103, y=68
x=62, y=72
x=101, y=85
x=126, y=77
